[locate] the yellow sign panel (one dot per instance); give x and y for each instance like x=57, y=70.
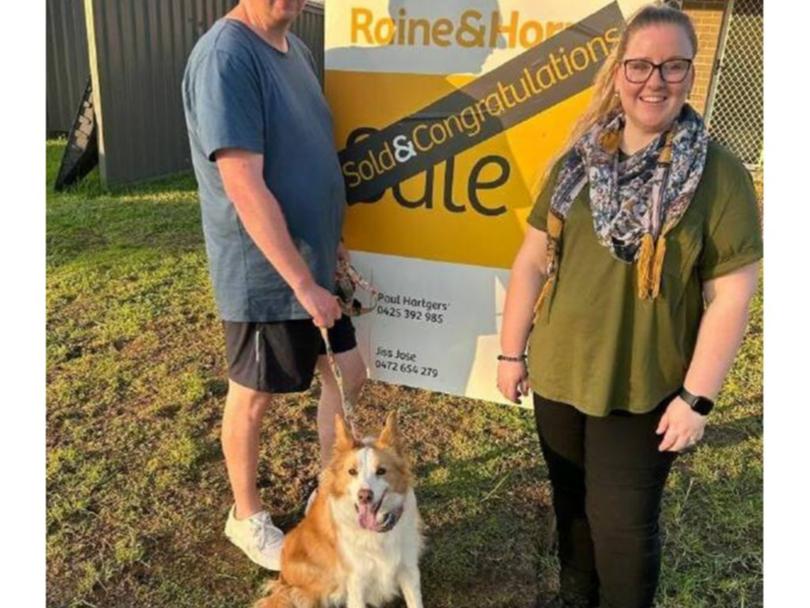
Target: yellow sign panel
x=470, y=208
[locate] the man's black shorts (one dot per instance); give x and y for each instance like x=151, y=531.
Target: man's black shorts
x=280, y=357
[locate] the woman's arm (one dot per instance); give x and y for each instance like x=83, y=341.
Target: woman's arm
x=525, y=281
x=721, y=330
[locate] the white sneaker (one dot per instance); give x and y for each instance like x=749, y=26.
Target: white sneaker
x=257, y=537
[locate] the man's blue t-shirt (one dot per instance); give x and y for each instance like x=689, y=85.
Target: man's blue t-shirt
x=240, y=92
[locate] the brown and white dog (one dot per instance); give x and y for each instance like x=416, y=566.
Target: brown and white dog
x=360, y=541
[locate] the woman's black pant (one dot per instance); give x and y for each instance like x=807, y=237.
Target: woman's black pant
x=607, y=477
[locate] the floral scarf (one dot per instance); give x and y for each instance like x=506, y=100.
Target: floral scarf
x=634, y=201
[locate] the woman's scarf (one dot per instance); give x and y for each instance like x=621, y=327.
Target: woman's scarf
x=635, y=201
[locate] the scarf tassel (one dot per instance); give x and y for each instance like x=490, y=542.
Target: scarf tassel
x=658, y=266
x=544, y=294
x=554, y=229
x=650, y=265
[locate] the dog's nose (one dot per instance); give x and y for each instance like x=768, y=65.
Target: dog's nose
x=365, y=496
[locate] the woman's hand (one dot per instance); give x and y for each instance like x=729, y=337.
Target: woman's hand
x=681, y=426
x=513, y=380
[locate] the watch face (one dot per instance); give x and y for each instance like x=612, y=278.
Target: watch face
x=702, y=406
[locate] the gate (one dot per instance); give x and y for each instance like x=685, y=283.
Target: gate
x=735, y=109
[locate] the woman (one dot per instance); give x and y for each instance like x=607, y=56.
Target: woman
x=641, y=255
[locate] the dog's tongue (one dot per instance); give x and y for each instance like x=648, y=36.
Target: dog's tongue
x=366, y=517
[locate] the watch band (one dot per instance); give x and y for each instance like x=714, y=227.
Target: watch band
x=701, y=405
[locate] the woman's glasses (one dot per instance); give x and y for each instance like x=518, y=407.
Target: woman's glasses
x=672, y=71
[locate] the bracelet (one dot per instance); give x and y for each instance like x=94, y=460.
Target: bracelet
x=518, y=359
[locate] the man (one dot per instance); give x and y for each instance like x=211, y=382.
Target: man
x=272, y=198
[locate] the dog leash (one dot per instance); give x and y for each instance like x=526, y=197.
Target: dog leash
x=346, y=404
x=348, y=279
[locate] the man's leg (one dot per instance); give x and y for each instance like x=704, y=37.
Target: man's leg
x=353, y=372
x=263, y=359
x=241, y=424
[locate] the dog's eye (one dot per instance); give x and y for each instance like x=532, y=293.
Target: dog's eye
x=381, y=471
x=353, y=472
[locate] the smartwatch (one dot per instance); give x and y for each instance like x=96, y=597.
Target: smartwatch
x=701, y=405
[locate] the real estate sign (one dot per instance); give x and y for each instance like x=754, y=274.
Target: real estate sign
x=446, y=112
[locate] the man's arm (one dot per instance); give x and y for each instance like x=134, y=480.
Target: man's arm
x=261, y=215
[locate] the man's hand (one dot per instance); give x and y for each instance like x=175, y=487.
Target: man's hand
x=681, y=426
x=513, y=380
x=319, y=303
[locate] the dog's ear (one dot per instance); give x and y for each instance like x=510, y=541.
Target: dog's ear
x=389, y=437
x=343, y=438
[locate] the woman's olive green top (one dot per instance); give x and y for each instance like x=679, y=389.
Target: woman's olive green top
x=599, y=347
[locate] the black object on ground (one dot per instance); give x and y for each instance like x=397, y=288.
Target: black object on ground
x=81, y=152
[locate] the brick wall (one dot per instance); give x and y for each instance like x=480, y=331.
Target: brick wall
x=707, y=15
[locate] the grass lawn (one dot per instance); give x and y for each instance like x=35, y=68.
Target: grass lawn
x=136, y=486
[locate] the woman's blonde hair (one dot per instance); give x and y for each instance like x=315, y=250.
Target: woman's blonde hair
x=604, y=100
